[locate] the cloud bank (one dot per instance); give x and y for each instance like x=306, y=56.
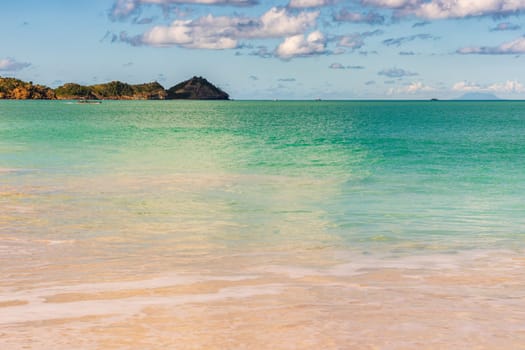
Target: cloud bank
x=303, y=26
x=514, y=47
x=309, y=3
x=449, y=9
x=356, y=41
x=224, y=32
x=337, y=65
x=396, y=73
x=509, y=86
x=411, y=89
x=11, y=65
x=302, y=46
x=123, y=9
x=404, y=39
x=505, y=26
x=372, y=18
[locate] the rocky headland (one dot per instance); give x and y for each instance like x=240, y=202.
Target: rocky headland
x=15, y=89
x=196, y=88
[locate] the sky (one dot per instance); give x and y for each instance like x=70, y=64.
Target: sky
x=256, y=49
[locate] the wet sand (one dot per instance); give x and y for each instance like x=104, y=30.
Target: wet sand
x=473, y=301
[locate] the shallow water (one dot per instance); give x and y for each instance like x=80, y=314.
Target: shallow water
x=292, y=225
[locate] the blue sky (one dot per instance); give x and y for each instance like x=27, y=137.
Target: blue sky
x=297, y=49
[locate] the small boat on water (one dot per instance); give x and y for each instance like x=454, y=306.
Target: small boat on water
x=89, y=102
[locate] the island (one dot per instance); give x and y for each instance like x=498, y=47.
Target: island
x=196, y=88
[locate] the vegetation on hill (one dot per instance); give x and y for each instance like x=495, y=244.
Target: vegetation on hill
x=72, y=91
x=114, y=90
x=11, y=88
x=150, y=91
x=196, y=88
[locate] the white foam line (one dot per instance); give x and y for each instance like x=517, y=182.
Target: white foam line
x=291, y=271
x=360, y=264
x=36, y=295
x=50, y=311
x=14, y=170
x=431, y=262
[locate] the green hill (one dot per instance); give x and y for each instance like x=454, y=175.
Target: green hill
x=196, y=88
x=72, y=91
x=150, y=91
x=114, y=90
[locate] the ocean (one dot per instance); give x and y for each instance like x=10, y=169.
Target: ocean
x=262, y=225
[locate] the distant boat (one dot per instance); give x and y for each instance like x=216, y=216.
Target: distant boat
x=434, y=99
x=89, y=102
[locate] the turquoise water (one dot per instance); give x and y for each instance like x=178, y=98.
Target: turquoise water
x=211, y=225
x=443, y=175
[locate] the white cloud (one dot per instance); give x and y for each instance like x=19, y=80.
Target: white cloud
x=509, y=86
x=336, y=65
x=122, y=9
x=466, y=86
x=411, y=89
x=514, y=47
x=416, y=87
x=344, y=15
x=278, y=22
x=396, y=73
x=223, y=32
x=393, y=4
x=352, y=41
x=404, y=39
x=309, y=3
x=301, y=46
x=356, y=40
x=505, y=26
x=442, y=9
x=12, y=65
